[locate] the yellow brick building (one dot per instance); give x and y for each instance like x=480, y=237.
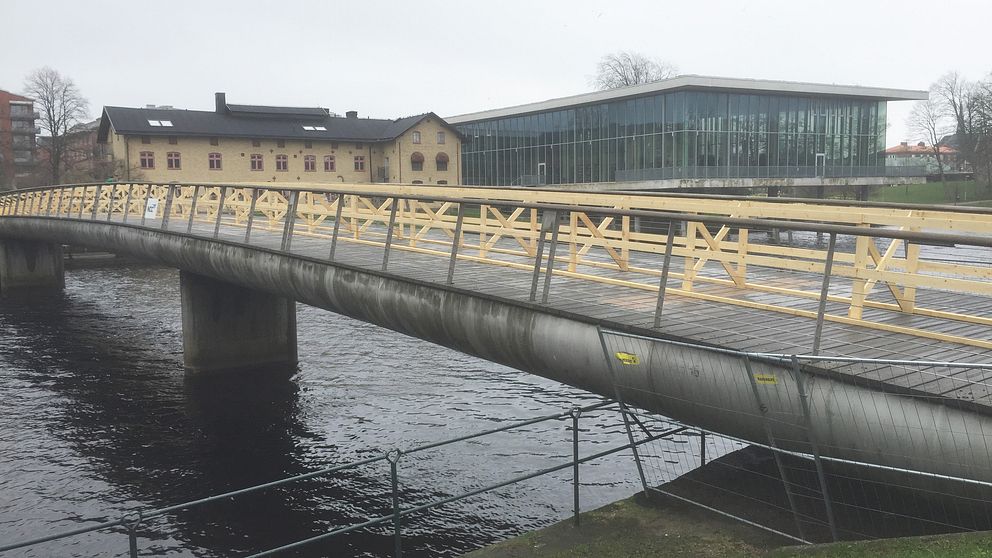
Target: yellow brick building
x=252, y=143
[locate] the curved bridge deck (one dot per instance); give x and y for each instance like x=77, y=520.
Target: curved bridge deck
x=916, y=285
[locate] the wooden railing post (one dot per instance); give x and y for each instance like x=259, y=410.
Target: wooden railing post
x=908, y=303
x=689, y=273
x=860, y=281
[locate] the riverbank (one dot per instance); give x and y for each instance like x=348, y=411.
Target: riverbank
x=667, y=528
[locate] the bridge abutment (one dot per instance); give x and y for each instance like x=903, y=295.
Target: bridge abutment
x=227, y=327
x=30, y=265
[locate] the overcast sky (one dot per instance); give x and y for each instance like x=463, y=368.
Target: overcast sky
x=391, y=59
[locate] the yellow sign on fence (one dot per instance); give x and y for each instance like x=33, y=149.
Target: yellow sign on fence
x=628, y=358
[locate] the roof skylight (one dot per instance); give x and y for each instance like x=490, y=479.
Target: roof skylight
x=166, y=123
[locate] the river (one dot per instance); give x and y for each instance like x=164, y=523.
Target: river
x=98, y=418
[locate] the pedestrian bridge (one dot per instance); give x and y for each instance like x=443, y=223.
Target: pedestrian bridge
x=656, y=300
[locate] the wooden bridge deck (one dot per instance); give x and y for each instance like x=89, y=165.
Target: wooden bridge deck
x=729, y=326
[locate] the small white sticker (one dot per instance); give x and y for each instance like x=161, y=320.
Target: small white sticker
x=151, y=210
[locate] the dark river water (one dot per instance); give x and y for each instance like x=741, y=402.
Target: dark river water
x=98, y=418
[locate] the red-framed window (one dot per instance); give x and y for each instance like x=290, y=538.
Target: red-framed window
x=214, y=160
x=282, y=163
x=359, y=162
x=329, y=163
x=146, y=140
x=309, y=163
x=173, y=160
x=147, y=160
x=256, y=162
x=173, y=140
x=417, y=161
x=440, y=138
x=416, y=137
x=442, y=161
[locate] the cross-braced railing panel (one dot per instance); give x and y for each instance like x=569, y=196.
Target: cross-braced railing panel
x=899, y=275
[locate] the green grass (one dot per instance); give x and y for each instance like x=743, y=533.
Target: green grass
x=963, y=545
x=968, y=191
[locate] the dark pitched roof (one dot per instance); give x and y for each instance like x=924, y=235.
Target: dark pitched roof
x=254, y=121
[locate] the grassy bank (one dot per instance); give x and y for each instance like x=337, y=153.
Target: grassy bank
x=666, y=528
x=933, y=192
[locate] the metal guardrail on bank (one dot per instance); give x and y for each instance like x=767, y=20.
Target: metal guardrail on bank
x=132, y=519
x=608, y=239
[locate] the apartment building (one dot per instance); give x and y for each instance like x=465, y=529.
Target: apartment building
x=17, y=138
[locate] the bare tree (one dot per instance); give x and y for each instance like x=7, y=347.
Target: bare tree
x=928, y=123
x=61, y=106
x=621, y=69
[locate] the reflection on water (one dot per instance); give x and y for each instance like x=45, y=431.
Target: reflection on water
x=98, y=418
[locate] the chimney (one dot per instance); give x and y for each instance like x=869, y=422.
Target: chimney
x=220, y=102
x=351, y=114
x=904, y=144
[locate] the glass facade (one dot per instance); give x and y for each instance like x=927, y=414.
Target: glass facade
x=683, y=134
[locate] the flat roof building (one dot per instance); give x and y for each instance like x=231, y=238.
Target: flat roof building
x=686, y=131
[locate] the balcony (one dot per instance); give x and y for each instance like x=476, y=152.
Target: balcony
x=24, y=115
x=26, y=131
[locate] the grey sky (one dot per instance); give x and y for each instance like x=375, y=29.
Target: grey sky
x=391, y=59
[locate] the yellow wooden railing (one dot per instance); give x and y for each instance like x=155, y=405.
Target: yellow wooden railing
x=604, y=238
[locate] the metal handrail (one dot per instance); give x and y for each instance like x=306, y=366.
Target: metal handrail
x=918, y=237
x=143, y=515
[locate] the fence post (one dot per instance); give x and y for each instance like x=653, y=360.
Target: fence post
x=169, y=193
x=132, y=535
x=393, y=457
x=389, y=232
x=48, y=206
x=623, y=412
x=144, y=208
x=337, y=226
x=815, y=446
x=575, y=412
x=538, y=255
x=763, y=409
x=220, y=210
x=455, y=242
x=665, y=267
x=192, y=209
x=82, y=202
x=551, y=257
x=96, y=201
x=288, y=228
x=127, y=202
x=827, y=268
x=702, y=448
x=251, y=214
x=110, y=204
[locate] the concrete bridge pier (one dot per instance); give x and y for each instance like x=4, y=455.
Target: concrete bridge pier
x=232, y=328
x=30, y=265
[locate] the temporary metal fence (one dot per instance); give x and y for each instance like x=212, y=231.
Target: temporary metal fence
x=806, y=494
x=133, y=521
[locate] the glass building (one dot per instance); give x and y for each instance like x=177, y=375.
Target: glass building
x=688, y=127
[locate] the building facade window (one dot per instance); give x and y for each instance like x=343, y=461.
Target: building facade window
x=440, y=138
x=308, y=145
x=359, y=162
x=442, y=161
x=282, y=163
x=173, y=140
x=281, y=143
x=214, y=141
x=329, y=163
x=417, y=161
x=256, y=162
x=415, y=137
x=679, y=134
x=146, y=140
x=256, y=143
x=173, y=160
x=147, y=159
x=214, y=160
x=309, y=163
